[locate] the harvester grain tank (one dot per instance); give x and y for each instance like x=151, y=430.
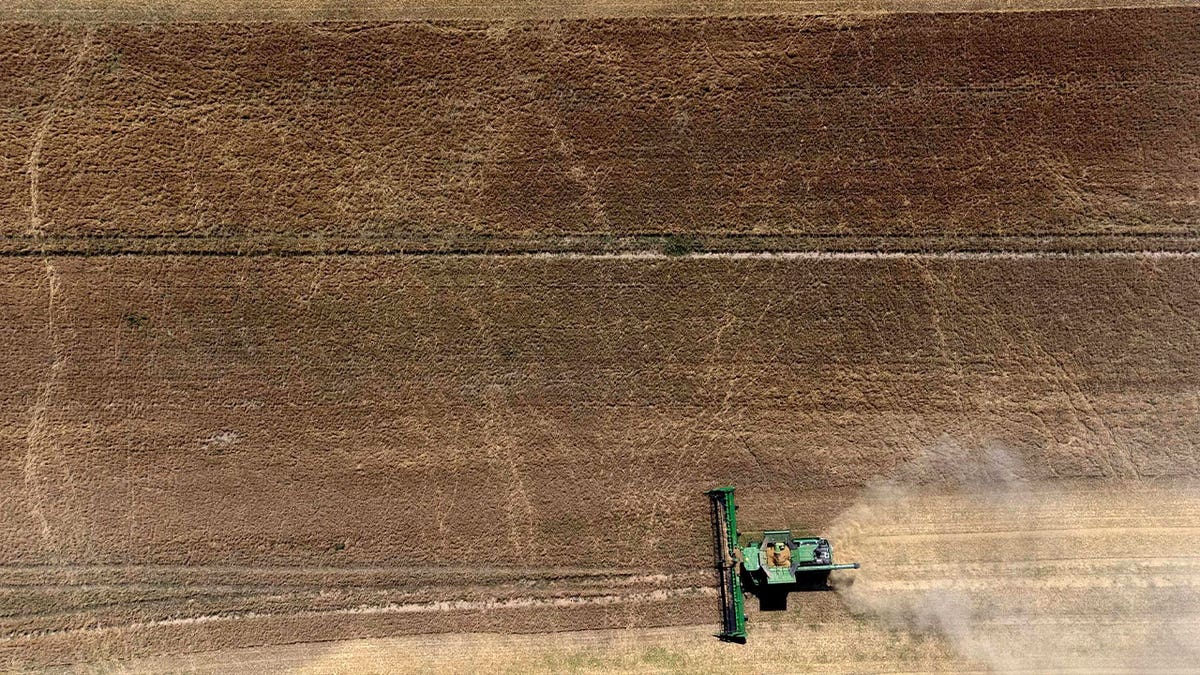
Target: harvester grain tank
x=769, y=566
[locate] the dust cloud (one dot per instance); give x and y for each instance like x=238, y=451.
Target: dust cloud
x=1017, y=572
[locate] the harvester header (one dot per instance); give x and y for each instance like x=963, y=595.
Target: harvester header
x=733, y=609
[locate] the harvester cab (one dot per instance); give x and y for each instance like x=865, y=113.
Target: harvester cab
x=769, y=566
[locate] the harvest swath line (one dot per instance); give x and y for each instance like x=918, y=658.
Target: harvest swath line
x=658, y=595
x=649, y=255
x=585, y=244
x=245, y=11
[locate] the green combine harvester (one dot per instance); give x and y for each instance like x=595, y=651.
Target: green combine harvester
x=769, y=566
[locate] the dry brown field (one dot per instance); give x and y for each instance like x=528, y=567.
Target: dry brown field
x=170, y=11
x=1027, y=131
x=412, y=345
x=226, y=451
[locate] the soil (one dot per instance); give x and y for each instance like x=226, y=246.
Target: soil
x=166, y=11
x=913, y=131
x=347, y=330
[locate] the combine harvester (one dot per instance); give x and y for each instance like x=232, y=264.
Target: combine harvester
x=769, y=566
